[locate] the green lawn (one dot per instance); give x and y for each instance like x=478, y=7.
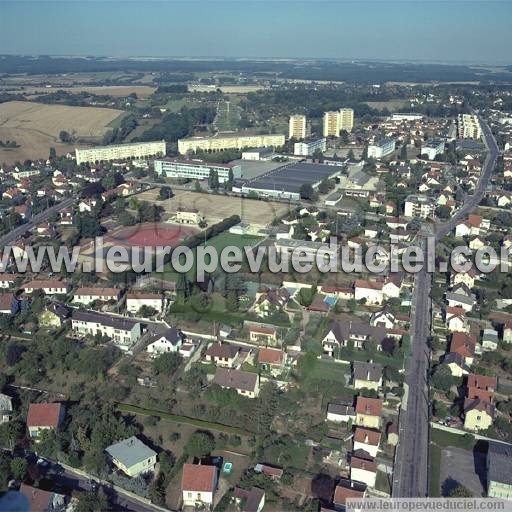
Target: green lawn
x=228, y=117
x=435, y=467
x=327, y=370
x=444, y=439
x=219, y=242
x=133, y=409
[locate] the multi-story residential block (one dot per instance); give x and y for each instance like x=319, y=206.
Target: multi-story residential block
x=468, y=127
x=433, y=148
x=309, y=146
x=381, y=148
x=232, y=141
x=195, y=169
x=297, y=127
x=121, y=152
x=419, y=206
x=48, y=286
x=331, y=124
x=124, y=332
x=346, y=119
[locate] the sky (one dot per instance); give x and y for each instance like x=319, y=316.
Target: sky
x=444, y=31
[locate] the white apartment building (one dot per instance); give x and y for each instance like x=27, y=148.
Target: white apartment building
x=121, y=152
x=309, y=146
x=124, y=332
x=48, y=286
x=135, y=300
x=346, y=119
x=432, y=148
x=381, y=148
x=195, y=169
x=468, y=127
x=297, y=127
x=419, y=206
x=331, y=124
x=232, y=141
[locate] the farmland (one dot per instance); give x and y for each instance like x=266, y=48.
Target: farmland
x=36, y=127
x=218, y=207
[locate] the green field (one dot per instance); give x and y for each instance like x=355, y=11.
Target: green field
x=327, y=370
x=219, y=242
x=228, y=117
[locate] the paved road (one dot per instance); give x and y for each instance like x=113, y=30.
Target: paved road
x=411, y=473
x=36, y=219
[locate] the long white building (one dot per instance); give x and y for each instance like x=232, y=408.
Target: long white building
x=232, y=141
x=381, y=148
x=309, y=146
x=120, y=152
x=195, y=169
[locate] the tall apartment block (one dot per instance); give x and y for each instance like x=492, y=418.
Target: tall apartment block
x=346, y=119
x=332, y=124
x=297, y=128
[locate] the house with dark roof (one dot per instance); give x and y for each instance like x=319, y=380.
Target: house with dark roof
x=244, y=383
x=499, y=471
x=340, y=413
x=363, y=470
x=198, y=485
x=456, y=364
x=252, y=500
x=223, y=354
x=170, y=340
x=367, y=375
x=351, y=329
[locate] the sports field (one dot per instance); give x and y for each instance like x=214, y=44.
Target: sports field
x=150, y=234
x=228, y=117
x=218, y=207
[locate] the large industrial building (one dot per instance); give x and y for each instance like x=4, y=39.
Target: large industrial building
x=120, y=152
x=195, y=169
x=297, y=127
x=285, y=182
x=231, y=141
x=468, y=127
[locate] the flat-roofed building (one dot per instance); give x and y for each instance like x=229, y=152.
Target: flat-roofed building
x=433, y=148
x=132, y=456
x=195, y=169
x=331, y=124
x=419, y=206
x=232, y=141
x=381, y=148
x=499, y=471
x=309, y=146
x=297, y=127
x=468, y=127
x=346, y=119
x=121, y=152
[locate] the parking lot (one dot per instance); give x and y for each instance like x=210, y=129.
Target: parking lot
x=462, y=467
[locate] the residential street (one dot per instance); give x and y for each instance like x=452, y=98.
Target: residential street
x=412, y=459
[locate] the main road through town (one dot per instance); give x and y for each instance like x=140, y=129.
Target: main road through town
x=411, y=474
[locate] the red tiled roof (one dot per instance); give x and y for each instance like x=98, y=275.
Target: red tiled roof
x=367, y=436
x=5, y=301
x=369, y=406
x=342, y=493
x=463, y=344
x=270, y=356
x=38, y=499
x=198, y=478
x=366, y=465
x=482, y=382
x=372, y=285
x=44, y=415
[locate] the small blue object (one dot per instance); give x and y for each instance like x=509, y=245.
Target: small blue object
x=228, y=467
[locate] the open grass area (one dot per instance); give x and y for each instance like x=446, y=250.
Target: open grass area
x=328, y=370
x=228, y=117
x=435, y=469
x=134, y=409
x=443, y=439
